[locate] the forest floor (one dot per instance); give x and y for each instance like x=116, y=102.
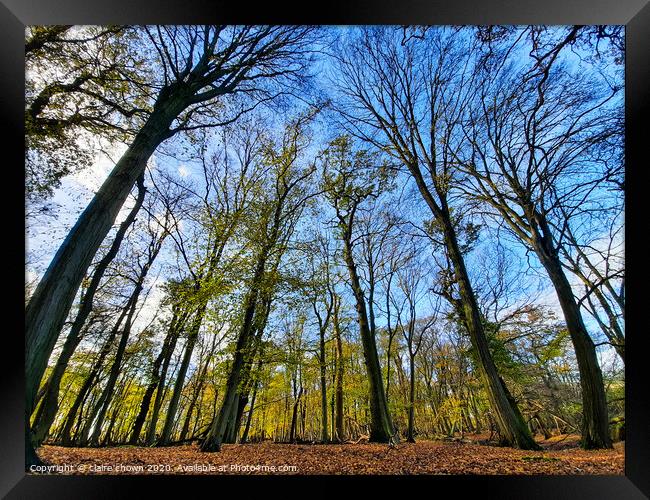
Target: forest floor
x=560, y=455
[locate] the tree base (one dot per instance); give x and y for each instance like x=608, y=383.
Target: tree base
x=594, y=444
x=210, y=446
x=31, y=458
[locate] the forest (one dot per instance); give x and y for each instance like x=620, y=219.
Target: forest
x=346, y=250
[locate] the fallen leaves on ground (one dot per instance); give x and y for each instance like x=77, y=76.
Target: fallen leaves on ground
x=559, y=456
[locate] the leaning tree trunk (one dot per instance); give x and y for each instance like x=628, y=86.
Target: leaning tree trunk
x=246, y=378
x=154, y=250
x=150, y=437
x=198, y=389
x=99, y=412
x=514, y=430
x=381, y=427
x=195, y=396
x=595, y=430
x=188, y=414
x=51, y=397
x=91, y=380
x=53, y=297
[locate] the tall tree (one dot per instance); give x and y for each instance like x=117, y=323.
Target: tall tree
x=405, y=99
x=228, y=192
x=349, y=180
x=538, y=171
x=157, y=238
x=340, y=369
x=285, y=200
x=321, y=296
x=409, y=281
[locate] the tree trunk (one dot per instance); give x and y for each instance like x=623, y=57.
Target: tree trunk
x=323, y=389
x=410, y=437
x=390, y=344
x=107, y=393
x=165, y=353
x=195, y=396
x=294, y=417
x=180, y=378
x=233, y=429
x=514, y=430
x=249, y=417
x=50, y=403
x=217, y=431
x=188, y=417
x=154, y=250
x=53, y=297
x=340, y=430
x=381, y=429
x=178, y=321
x=595, y=430
x=89, y=383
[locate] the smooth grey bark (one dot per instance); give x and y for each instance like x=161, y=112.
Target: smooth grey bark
x=219, y=70
x=52, y=299
x=50, y=403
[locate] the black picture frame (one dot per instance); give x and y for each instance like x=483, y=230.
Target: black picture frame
x=635, y=14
